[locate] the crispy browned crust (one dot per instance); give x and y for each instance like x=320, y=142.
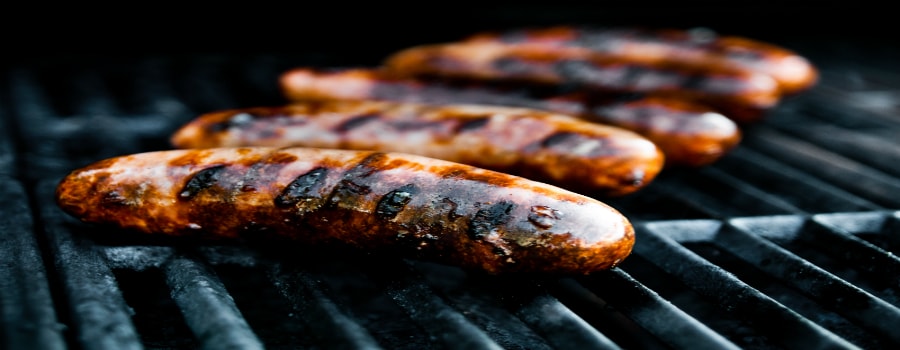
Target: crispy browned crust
x=420, y=207
x=689, y=134
x=794, y=73
x=741, y=94
x=542, y=146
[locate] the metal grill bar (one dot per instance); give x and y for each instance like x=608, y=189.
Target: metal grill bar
x=207, y=307
x=562, y=328
x=672, y=325
x=440, y=320
x=326, y=321
x=97, y=312
x=730, y=293
x=850, y=301
x=783, y=181
x=26, y=307
x=849, y=174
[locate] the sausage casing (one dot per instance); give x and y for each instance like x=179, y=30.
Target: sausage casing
x=794, y=73
x=738, y=93
x=542, y=146
x=421, y=207
x=688, y=133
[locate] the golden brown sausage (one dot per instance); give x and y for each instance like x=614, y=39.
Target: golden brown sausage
x=421, y=207
x=688, y=133
x=738, y=93
x=557, y=149
x=700, y=47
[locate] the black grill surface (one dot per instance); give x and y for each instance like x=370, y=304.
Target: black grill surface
x=788, y=242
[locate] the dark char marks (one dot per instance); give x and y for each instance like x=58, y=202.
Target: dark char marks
x=201, y=180
x=486, y=219
x=392, y=203
x=356, y=122
x=304, y=186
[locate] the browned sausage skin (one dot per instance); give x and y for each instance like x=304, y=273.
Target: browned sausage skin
x=688, y=133
x=422, y=207
x=558, y=149
x=738, y=93
x=794, y=73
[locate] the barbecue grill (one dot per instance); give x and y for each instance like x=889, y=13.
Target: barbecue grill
x=788, y=242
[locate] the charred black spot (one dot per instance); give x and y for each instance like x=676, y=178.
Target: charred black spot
x=574, y=70
x=237, y=120
x=392, y=203
x=558, y=139
x=512, y=65
x=412, y=125
x=487, y=219
x=473, y=124
x=304, y=186
x=356, y=122
x=202, y=180
x=694, y=82
x=113, y=198
x=451, y=206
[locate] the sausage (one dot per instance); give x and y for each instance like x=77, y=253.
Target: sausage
x=553, y=148
x=689, y=134
x=416, y=206
x=741, y=94
x=700, y=47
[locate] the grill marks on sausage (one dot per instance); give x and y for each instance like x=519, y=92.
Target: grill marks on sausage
x=353, y=183
x=392, y=203
x=356, y=122
x=201, y=180
x=486, y=220
x=473, y=124
x=303, y=187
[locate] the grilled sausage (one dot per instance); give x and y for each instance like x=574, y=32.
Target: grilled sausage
x=699, y=47
x=420, y=207
x=740, y=94
x=688, y=134
x=558, y=149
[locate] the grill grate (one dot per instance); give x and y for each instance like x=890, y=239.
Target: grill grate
x=787, y=242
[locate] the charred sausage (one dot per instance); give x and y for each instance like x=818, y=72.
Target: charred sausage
x=738, y=93
x=688, y=133
x=421, y=207
x=700, y=47
x=558, y=149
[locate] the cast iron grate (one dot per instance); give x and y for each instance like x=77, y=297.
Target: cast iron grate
x=788, y=242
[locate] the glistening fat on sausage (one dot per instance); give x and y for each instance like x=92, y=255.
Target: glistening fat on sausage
x=588, y=158
x=422, y=207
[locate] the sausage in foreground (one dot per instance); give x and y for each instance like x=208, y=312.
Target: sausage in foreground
x=420, y=207
x=558, y=149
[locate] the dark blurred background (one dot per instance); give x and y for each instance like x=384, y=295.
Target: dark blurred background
x=371, y=30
